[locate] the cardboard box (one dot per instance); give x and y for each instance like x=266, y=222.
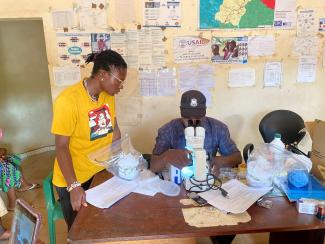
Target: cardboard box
x=317, y=132
x=308, y=206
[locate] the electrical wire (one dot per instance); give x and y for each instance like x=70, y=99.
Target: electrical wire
x=206, y=185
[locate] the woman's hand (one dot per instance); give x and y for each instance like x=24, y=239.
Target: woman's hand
x=78, y=198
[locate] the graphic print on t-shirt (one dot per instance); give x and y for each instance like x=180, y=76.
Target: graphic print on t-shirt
x=100, y=122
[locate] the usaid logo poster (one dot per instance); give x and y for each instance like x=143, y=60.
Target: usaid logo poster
x=191, y=49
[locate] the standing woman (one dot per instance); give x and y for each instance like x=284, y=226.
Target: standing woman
x=84, y=121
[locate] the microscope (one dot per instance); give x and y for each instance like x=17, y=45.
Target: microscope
x=195, y=176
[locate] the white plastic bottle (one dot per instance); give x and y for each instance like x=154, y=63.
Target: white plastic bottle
x=277, y=147
x=277, y=142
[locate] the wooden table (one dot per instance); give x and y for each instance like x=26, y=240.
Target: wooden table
x=138, y=218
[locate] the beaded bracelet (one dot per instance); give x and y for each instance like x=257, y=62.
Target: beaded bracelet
x=73, y=185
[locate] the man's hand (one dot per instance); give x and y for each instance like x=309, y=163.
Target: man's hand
x=216, y=163
x=231, y=161
x=177, y=157
x=78, y=198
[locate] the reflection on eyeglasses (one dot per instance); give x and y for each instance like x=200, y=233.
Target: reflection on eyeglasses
x=118, y=79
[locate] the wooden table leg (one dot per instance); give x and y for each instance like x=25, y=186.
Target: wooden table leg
x=297, y=237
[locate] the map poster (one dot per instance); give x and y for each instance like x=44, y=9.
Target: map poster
x=230, y=14
x=73, y=48
x=229, y=50
x=191, y=49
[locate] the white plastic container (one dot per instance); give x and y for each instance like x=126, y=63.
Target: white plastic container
x=128, y=167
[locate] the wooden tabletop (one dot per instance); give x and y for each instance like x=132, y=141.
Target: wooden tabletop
x=140, y=217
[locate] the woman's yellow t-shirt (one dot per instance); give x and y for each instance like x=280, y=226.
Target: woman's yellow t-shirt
x=89, y=125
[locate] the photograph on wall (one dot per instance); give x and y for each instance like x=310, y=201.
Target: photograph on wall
x=321, y=24
x=100, y=42
x=230, y=50
x=73, y=48
x=191, y=49
x=165, y=13
x=231, y=14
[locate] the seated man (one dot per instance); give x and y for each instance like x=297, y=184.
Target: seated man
x=170, y=142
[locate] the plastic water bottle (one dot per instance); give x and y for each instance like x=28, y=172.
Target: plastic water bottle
x=277, y=142
x=278, y=149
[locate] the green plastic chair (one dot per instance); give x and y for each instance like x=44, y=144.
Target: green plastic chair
x=54, y=211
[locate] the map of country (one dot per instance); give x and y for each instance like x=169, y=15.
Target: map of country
x=226, y=14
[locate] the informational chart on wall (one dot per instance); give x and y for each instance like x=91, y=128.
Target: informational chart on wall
x=73, y=48
x=229, y=14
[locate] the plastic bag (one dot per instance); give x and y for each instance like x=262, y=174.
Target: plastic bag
x=268, y=165
x=120, y=158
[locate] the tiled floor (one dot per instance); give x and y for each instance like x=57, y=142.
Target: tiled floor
x=36, y=168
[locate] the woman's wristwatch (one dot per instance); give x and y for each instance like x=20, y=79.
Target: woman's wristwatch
x=73, y=185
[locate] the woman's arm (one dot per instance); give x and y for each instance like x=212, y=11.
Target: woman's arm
x=77, y=195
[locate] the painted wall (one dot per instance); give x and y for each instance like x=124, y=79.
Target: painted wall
x=25, y=92
x=240, y=108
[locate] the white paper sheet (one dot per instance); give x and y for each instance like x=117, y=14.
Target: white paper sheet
x=285, y=14
x=66, y=76
x=307, y=45
x=241, y=77
x=162, y=13
x=92, y=18
x=148, y=82
x=92, y=14
x=187, y=78
x=109, y=192
x=205, y=78
x=241, y=197
x=118, y=43
x=125, y=11
x=261, y=45
x=272, y=74
x=73, y=48
x=132, y=49
x=307, y=69
x=158, y=48
x=166, y=79
x=63, y=19
x=324, y=57
x=208, y=96
x=306, y=22
x=191, y=49
x=145, y=48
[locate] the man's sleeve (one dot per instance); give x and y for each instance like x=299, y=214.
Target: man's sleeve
x=64, y=117
x=162, y=141
x=226, y=145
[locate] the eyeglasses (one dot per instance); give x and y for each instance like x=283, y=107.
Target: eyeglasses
x=118, y=79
